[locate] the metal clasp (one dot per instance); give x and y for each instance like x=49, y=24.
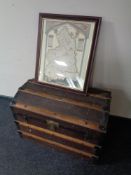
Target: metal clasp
x=52, y=125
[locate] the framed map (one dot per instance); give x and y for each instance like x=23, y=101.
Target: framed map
x=65, y=53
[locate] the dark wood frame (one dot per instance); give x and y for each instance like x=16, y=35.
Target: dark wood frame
x=88, y=77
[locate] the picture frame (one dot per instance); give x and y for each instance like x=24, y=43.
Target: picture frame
x=65, y=51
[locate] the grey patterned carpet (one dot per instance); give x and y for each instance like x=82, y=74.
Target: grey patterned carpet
x=23, y=157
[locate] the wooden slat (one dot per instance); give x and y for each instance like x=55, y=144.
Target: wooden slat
x=59, y=145
x=100, y=96
x=57, y=116
x=69, y=101
x=56, y=134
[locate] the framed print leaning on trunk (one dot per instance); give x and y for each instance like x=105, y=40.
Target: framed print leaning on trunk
x=65, y=52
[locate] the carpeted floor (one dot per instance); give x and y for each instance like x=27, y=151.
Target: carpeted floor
x=23, y=157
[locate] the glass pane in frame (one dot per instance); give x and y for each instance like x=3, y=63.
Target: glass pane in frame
x=65, y=50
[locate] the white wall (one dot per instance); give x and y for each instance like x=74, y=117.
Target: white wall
x=18, y=39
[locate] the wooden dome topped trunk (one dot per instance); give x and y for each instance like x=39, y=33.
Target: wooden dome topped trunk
x=73, y=122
